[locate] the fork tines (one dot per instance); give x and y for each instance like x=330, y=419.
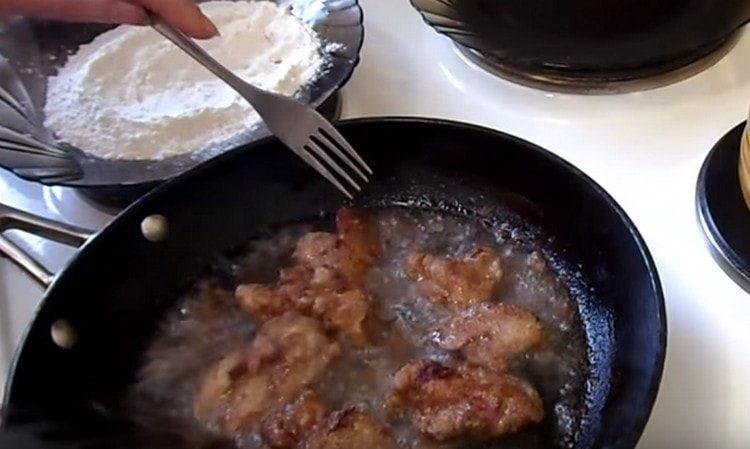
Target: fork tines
x=327, y=149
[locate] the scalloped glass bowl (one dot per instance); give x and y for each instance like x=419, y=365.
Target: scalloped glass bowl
x=33, y=50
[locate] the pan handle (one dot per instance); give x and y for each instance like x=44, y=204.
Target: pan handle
x=11, y=218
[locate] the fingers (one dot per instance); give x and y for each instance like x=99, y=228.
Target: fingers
x=183, y=14
x=104, y=11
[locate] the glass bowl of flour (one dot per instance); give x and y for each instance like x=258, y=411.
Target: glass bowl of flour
x=117, y=110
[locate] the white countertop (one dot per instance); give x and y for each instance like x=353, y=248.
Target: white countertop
x=644, y=148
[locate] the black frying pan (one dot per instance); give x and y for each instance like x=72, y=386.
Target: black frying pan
x=113, y=293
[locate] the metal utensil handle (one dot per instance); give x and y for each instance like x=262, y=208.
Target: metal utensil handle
x=252, y=94
x=11, y=218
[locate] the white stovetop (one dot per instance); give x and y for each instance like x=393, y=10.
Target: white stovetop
x=644, y=148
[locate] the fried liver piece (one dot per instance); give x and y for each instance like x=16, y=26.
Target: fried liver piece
x=326, y=280
x=289, y=353
x=349, y=429
x=290, y=426
x=463, y=401
x=456, y=283
x=350, y=253
x=262, y=301
x=492, y=335
x=302, y=424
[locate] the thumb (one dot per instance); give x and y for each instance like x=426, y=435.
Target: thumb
x=104, y=11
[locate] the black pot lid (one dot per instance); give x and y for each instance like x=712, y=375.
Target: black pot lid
x=645, y=78
x=587, y=38
x=722, y=213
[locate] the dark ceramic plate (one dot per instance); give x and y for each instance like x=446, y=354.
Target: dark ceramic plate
x=722, y=213
x=34, y=50
x=612, y=39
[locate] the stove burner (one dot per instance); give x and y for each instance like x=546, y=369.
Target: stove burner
x=640, y=79
x=722, y=213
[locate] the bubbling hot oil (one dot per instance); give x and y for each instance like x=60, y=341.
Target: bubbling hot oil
x=402, y=327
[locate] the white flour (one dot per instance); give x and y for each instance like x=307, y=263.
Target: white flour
x=131, y=94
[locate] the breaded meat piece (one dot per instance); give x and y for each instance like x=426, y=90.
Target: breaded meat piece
x=456, y=283
x=446, y=402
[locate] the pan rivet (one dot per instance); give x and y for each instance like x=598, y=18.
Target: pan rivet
x=63, y=334
x=155, y=228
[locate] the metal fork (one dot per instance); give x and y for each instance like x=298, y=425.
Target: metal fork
x=297, y=125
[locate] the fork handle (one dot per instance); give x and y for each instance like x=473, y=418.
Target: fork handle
x=251, y=93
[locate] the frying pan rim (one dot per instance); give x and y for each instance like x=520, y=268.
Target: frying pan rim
x=187, y=176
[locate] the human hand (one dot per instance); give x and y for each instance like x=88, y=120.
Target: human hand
x=182, y=14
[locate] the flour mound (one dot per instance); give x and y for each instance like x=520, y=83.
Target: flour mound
x=131, y=94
